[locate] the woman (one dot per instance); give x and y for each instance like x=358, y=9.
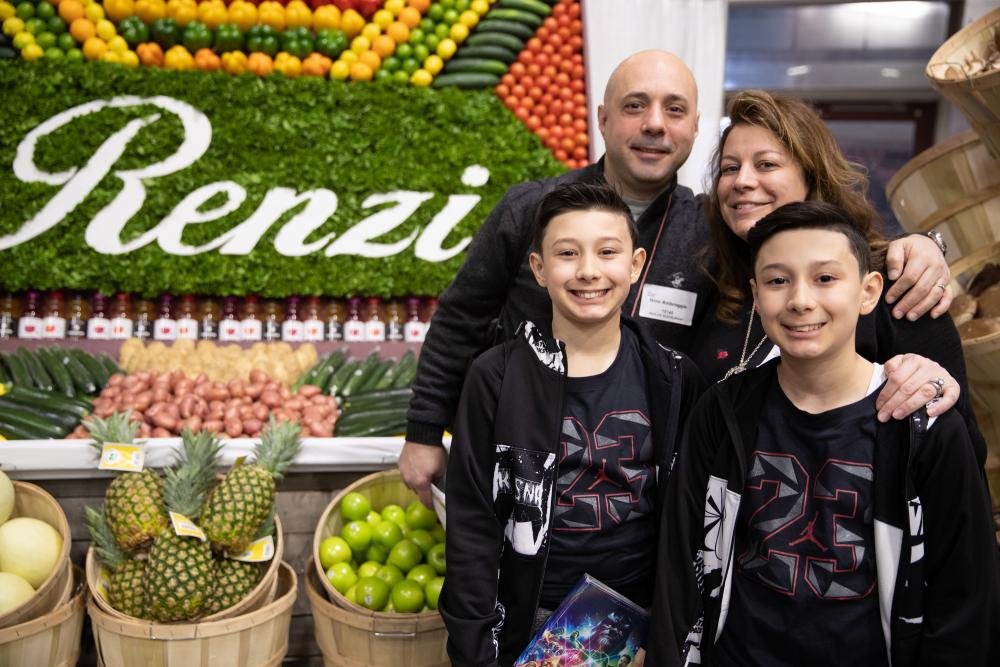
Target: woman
x=777, y=151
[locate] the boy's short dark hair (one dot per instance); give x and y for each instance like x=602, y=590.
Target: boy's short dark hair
x=811, y=215
x=581, y=197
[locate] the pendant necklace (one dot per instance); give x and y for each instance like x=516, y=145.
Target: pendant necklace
x=744, y=358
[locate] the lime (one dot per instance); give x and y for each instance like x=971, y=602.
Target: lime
x=410, y=65
x=355, y=507
x=383, y=76
x=420, y=516
x=450, y=17
x=66, y=42
x=400, y=77
x=377, y=553
x=417, y=36
x=387, y=534
x=420, y=52
x=46, y=40
x=462, y=5
x=403, y=51
x=422, y=573
x=333, y=550
x=390, y=574
x=24, y=10
x=358, y=535
x=421, y=538
x=56, y=25
x=432, y=41
x=373, y=516
x=435, y=12
x=44, y=10
x=442, y=30
x=390, y=64
x=371, y=593
x=54, y=53
x=447, y=4
x=342, y=576
x=369, y=568
x=432, y=591
x=408, y=597
x=35, y=26
x=405, y=555
x=74, y=55
x=435, y=557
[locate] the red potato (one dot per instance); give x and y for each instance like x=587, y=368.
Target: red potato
x=216, y=405
x=172, y=410
x=187, y=406
x=231, y=414
x=145, y=430
x=271, y=399
x=143, y=400
x=284, y=392
x=252, y=426
x=201, y=379
x=160, y=394
x=237, y=388
x=202, y=390
x=160, y=432
x=216, y=414
x=154, y=410
x=115, y=380
x=308, y=390
x=258, y=376
x=293, y=404
x=312, y=413
x=213, y=425
x=164, y=420
x=246, y=412
x=193, y=423
x=260, y=411
x=184, y=387
x=234, y=428
x=254, y=390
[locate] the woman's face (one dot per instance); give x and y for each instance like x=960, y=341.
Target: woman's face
x=756, y=176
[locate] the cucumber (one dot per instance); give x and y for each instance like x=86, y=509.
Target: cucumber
x=4, y=375
x=63, y=420
x=85, y=383
x=109, y=364
x=380, y=415
x=36, y=398
x=24, y=419
x=466, y=80
x=405, y=377
x=341, y=376
x=96, y=369
x=39, y=376
x=372, y=429
x=501, y=53
x=480, y=65
x=511, y=42
x=518, y=30
x=361, y=375
x=51, y=358
x=309, y=377
x=18, y=372
x=380, y=372
x=336, y=363
x=533, y=6
x=516, y=15
x=13, y=432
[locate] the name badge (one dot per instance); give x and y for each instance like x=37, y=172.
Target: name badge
x=667, y=304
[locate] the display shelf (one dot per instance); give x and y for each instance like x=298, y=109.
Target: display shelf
x=76, y=459
x=111, y=347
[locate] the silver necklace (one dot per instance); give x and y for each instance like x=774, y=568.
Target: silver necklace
x=744, y=358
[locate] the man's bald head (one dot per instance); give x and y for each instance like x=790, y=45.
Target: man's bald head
x=649, y=120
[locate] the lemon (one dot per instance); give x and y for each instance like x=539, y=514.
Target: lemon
x=340, y=70
x=382, y=18
x=106, y=30
x=360, y=43
x=446, y=48
x=371, y=31
x=13, y=26
x=94, y=12
x=32, y=52
x=6, y=10
x=22, y=39
x=118, y=44
x=130, y=59
x=433, y=64
x=394, y=7
x=349, y=57
x=469, y=18
x=459, y=32
x=480, y=6
x=421, y=78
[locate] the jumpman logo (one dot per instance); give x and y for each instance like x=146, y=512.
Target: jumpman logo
x=603, y=477
x=807, y=535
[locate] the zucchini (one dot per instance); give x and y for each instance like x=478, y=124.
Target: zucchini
x=361, y=375
x=63, y=420
x=39, y=376
x=30, y=421
x=405, y=377
x=323, y=378
x=109, y=364
x=51, y=357
x=492, y=51
x=530, y=19
x=477, y=65
x=372, y=429
x=466, y=80
x=4, y=376
x=511, y=42
x=93, y=366
x=380, y=415
x=15, y=432
x=38, y=399
x=380, y=372
x=341, y=376
x=84, y=381
x=18, y=372
x=533, y=6
x=518, y=30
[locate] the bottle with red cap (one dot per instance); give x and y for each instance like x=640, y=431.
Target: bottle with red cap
x=230, y=328
x=98, y=324
x=30, y=323
x=165, y=326
x=315, y=328
x=54, y=316
x=121, y=318
x=374, y=324
x=251, y=325
x=292, y=328
x=354, y=328
x=187, y=325
x=413, y=328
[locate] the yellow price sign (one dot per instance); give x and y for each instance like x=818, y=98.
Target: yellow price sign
x=121, y=457
x=259, y=551
x=185, y=527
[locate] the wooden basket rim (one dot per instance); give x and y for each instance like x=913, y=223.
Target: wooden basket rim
x=924, y=158
x=962, y=265
x=53, y=618
x=388, y=474
x=181, y=631
x=67, y=538
x=956, y=41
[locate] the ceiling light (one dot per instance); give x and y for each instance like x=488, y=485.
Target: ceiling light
x=890, y=73
x=798, y=70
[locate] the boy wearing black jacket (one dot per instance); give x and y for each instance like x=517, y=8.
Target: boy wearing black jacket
x=800, y=530
x=558, y=442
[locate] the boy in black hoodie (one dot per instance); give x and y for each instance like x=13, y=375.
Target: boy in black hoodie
x=799, y=529
x=558, y=442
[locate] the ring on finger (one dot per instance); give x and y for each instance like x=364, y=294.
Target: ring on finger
x=938, y=384
x=940, y=286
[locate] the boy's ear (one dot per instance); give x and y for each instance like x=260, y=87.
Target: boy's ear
x=753, y=290
x=638, y=261
x=871, y=292
x=535, y=260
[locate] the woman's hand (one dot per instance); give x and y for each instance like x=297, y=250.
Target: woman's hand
x=909, y=386
x=922, y=278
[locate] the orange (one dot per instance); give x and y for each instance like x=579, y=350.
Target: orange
x=394, y=7
x=371, y=59
x=410, y=16
x=71, y=10
x=94, y=47
x=351, y=22
x=420, y=5
x=399, y=32
x=361, y=72
x=82, y=29
x=384, y=46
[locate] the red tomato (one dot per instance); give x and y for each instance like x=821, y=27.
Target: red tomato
x=580, y=153
x=579, y=99
x=534, y=70
x=528, y=103
x=526, y=57
x=556, y=132
x=550, y=23
x=518, y=91
x=568, y=67
x=551, y=142
x=556, y=40
x=517, y=70
x=577, y=85
x=543, y=81
x=527, y=81
x=556, y=107
x=577, y=58
x=547, y=98
x=502, y=90
x=548, y=49
x=580, y=112
x=508, y=79
x=574, y=10
x=542, y=59
x=510, y=102
x=534, y=122
x=576, y=42
x=562, y=79
x=582, y=139
x=558, y=10
x=565, y=94
x=541, y=110
x=567, y=144
x=576, y=27
x=550, y=71
x=549, y=121
x=535, y=93
x=542, y=132
x=566, y=120
x=534, y=44
x=566, y=51
x=580, y=125
x=561, y=155
x=522, y=113
x=542, y=33
x=563, y=20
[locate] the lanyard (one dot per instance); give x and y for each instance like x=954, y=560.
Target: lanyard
x=649, y=260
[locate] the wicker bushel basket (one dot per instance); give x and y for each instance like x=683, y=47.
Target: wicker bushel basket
x=953, y=187
x=33, y=501
x=262, y=594
x=960, y=71
x=52, y=639
x=350, y=638
x=255, y=639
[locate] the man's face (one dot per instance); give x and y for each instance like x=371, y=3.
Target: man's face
x=649, y=120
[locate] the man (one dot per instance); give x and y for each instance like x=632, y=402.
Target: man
x=649, y=120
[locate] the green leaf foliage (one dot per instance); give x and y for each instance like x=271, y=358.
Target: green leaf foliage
x=355, y=139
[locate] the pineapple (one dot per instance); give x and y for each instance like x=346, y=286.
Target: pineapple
x=126, y=588
x=242, y=502
x=133, y=504
x=180, y=568
x=233, y=581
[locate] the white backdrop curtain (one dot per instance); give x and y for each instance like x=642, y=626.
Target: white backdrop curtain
x=695, y=30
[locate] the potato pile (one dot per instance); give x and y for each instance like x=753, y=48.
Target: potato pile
x=166, y=403
x=219, y=362
x=977, y=312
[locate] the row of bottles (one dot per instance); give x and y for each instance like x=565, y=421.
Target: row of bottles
x=230, y=319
